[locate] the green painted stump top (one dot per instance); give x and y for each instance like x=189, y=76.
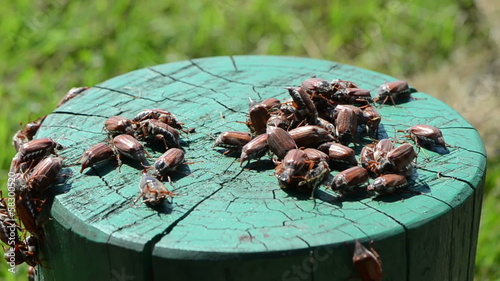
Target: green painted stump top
x=233, y=224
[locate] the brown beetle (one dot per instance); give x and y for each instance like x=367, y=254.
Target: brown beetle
x=348, y=180
x=346, y=125
x=280, y=141
x=95, y=155
x=366, y=156
x=305, y=105
x=73, y=92
x=316, y=155
x=278, y=120
x=258, y=117
x=128, y=146
x=271, y=103
x=314, y=177
x=341, y=154
x=29, y=250
x=255, y=148
x=44, y=175
x=367, y=263
x=168, y=162
x=426, y=135
x=389, y=183
x=117, y=125
x=316, y=85
x=232, y=140
x=31, y=273
x=25, y=135
x=398, y=160
x=292, y=169
x=8, y=229
x=27, y=211
x=353, y=96
x=152, y=190
x=34, y=151
x=338, y=85
x=393, y=90
x=160, y=115
x=372, y=119
x=382, y=148
x=155, y=130
x=310, y=136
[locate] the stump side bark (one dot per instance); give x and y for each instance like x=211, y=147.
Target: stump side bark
x=233, y=224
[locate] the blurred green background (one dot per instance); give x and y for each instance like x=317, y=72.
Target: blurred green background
x=446, y=48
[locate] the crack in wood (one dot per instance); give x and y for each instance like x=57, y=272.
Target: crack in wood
x=218, y=76
x=123, y=93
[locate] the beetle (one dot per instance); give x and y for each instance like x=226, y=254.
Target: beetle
x=73, y=92
x=382, y=148
x=255, y=148
x=8, y=230
x=279, y=141
x=258, y=116
x=168, y=162
x=367, y=263
x=271, y=103
x=44, y=174
x=278, y=120
x=27, y=133
x=346, y=125
x=349, y=179
x=318, y=85
x=160, y=115
x=234, y=141
x=393, y=90
x=304, y=104
x=155, y=130
x=95, y=155
x=353, y=96
x=292, y=169
x=117, y=125
x=371, y=118
x=366, y=156
x=338, y=85
x=128, y=146
x=426, y=135
x=27, y=211
x=310, y=136
x=398, y=160
x=29, y=250
x=342, y=155
x=318, y=168
x=316, y=155
x=33, y=151
x=152, y=190
x=388, y=183
x=31, y=273
x=314, y=177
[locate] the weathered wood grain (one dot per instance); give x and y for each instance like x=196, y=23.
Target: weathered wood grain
x=234, y=224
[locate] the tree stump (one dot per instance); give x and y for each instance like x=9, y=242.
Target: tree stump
x=229, y=223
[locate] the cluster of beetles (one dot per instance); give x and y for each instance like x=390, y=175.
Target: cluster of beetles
x=310, y=135
x=37, y=166
x=307, y=137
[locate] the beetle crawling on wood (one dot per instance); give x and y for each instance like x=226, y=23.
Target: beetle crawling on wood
x=367, y=263
x=168, y=162
x=128, y=146
x=152, y=190
x=95, y=155
x=394, y=90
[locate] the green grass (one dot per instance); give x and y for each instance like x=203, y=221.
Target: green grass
x=488, y=254
x=47, y=47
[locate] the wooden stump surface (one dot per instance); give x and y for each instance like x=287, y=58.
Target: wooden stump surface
x=233, y=224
